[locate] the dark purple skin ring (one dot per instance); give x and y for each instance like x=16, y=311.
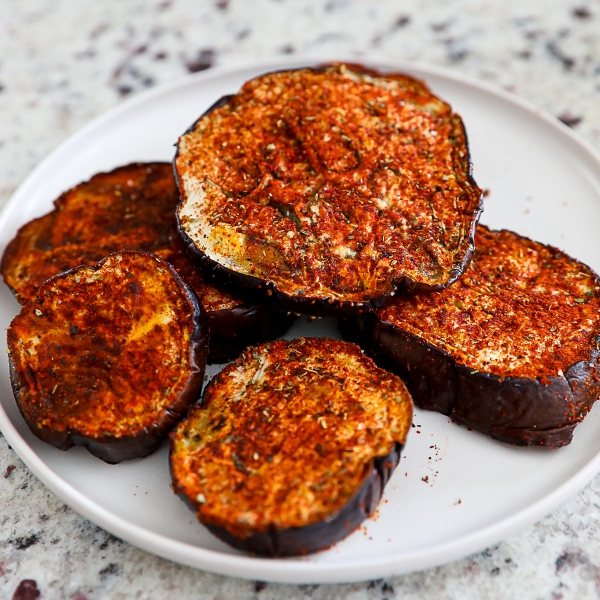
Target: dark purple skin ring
x=515, y=410
x=233, y=330
x=298, y=541
x=255, y=289
x=115, y=449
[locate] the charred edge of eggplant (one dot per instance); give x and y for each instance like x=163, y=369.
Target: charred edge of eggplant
x=232, y=331
x=22, y=301
x=515, y=410
x=456, y=272
x=113, y=449
x=264, y=292
x=299, y=541
x=267, y=292
x=109, y=449
x=222, y=101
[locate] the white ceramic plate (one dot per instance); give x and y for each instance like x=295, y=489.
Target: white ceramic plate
x=455, y=491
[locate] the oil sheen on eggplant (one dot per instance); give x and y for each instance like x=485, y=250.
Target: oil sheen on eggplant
x=291, y=446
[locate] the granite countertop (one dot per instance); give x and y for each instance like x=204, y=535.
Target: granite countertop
x=62, y=63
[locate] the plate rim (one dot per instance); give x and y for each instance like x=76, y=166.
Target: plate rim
x=280, y=570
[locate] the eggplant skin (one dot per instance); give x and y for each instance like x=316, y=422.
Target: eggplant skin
x=267, y=292
x=233, y=330
x=109, y=447
x=234, y=322
x=516, y=410
x=298, y=541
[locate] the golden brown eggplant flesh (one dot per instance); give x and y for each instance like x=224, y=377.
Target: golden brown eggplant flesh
x=328, y=190
x=109, y=357
x=131, y=207
x=511, y=349
x=291, y=446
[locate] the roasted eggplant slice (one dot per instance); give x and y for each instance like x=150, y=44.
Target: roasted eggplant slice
x=329, y=189
x=511, y=349
x=133, y=208
x=109, y=357
x=128, y=208
x=291, y=446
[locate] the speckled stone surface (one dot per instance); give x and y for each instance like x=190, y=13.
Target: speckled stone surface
x=63, y=63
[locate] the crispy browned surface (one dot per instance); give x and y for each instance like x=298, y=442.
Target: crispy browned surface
x=335, y=183
x=287, y=435
x=132, y=207
x=109, y=352
x=522, y=309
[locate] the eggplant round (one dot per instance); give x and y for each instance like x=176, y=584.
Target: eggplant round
x=327, y=190
x=109, y=357
x=511, y=350
x=235, y=329
x=131, y=207
x=291, y=446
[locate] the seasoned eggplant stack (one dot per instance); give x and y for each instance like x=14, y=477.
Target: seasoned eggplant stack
x=133, y=208
x=511, y=349
x=292, y=445
x=109, y=357
x=329, y=189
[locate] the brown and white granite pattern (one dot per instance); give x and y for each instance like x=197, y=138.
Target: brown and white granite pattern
x=63, y=63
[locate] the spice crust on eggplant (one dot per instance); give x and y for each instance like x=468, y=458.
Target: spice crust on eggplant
x=132, y=207
x=511, y=349
x=129, y=208
x=291, y=446
x=329, y=189
x=109, y=357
